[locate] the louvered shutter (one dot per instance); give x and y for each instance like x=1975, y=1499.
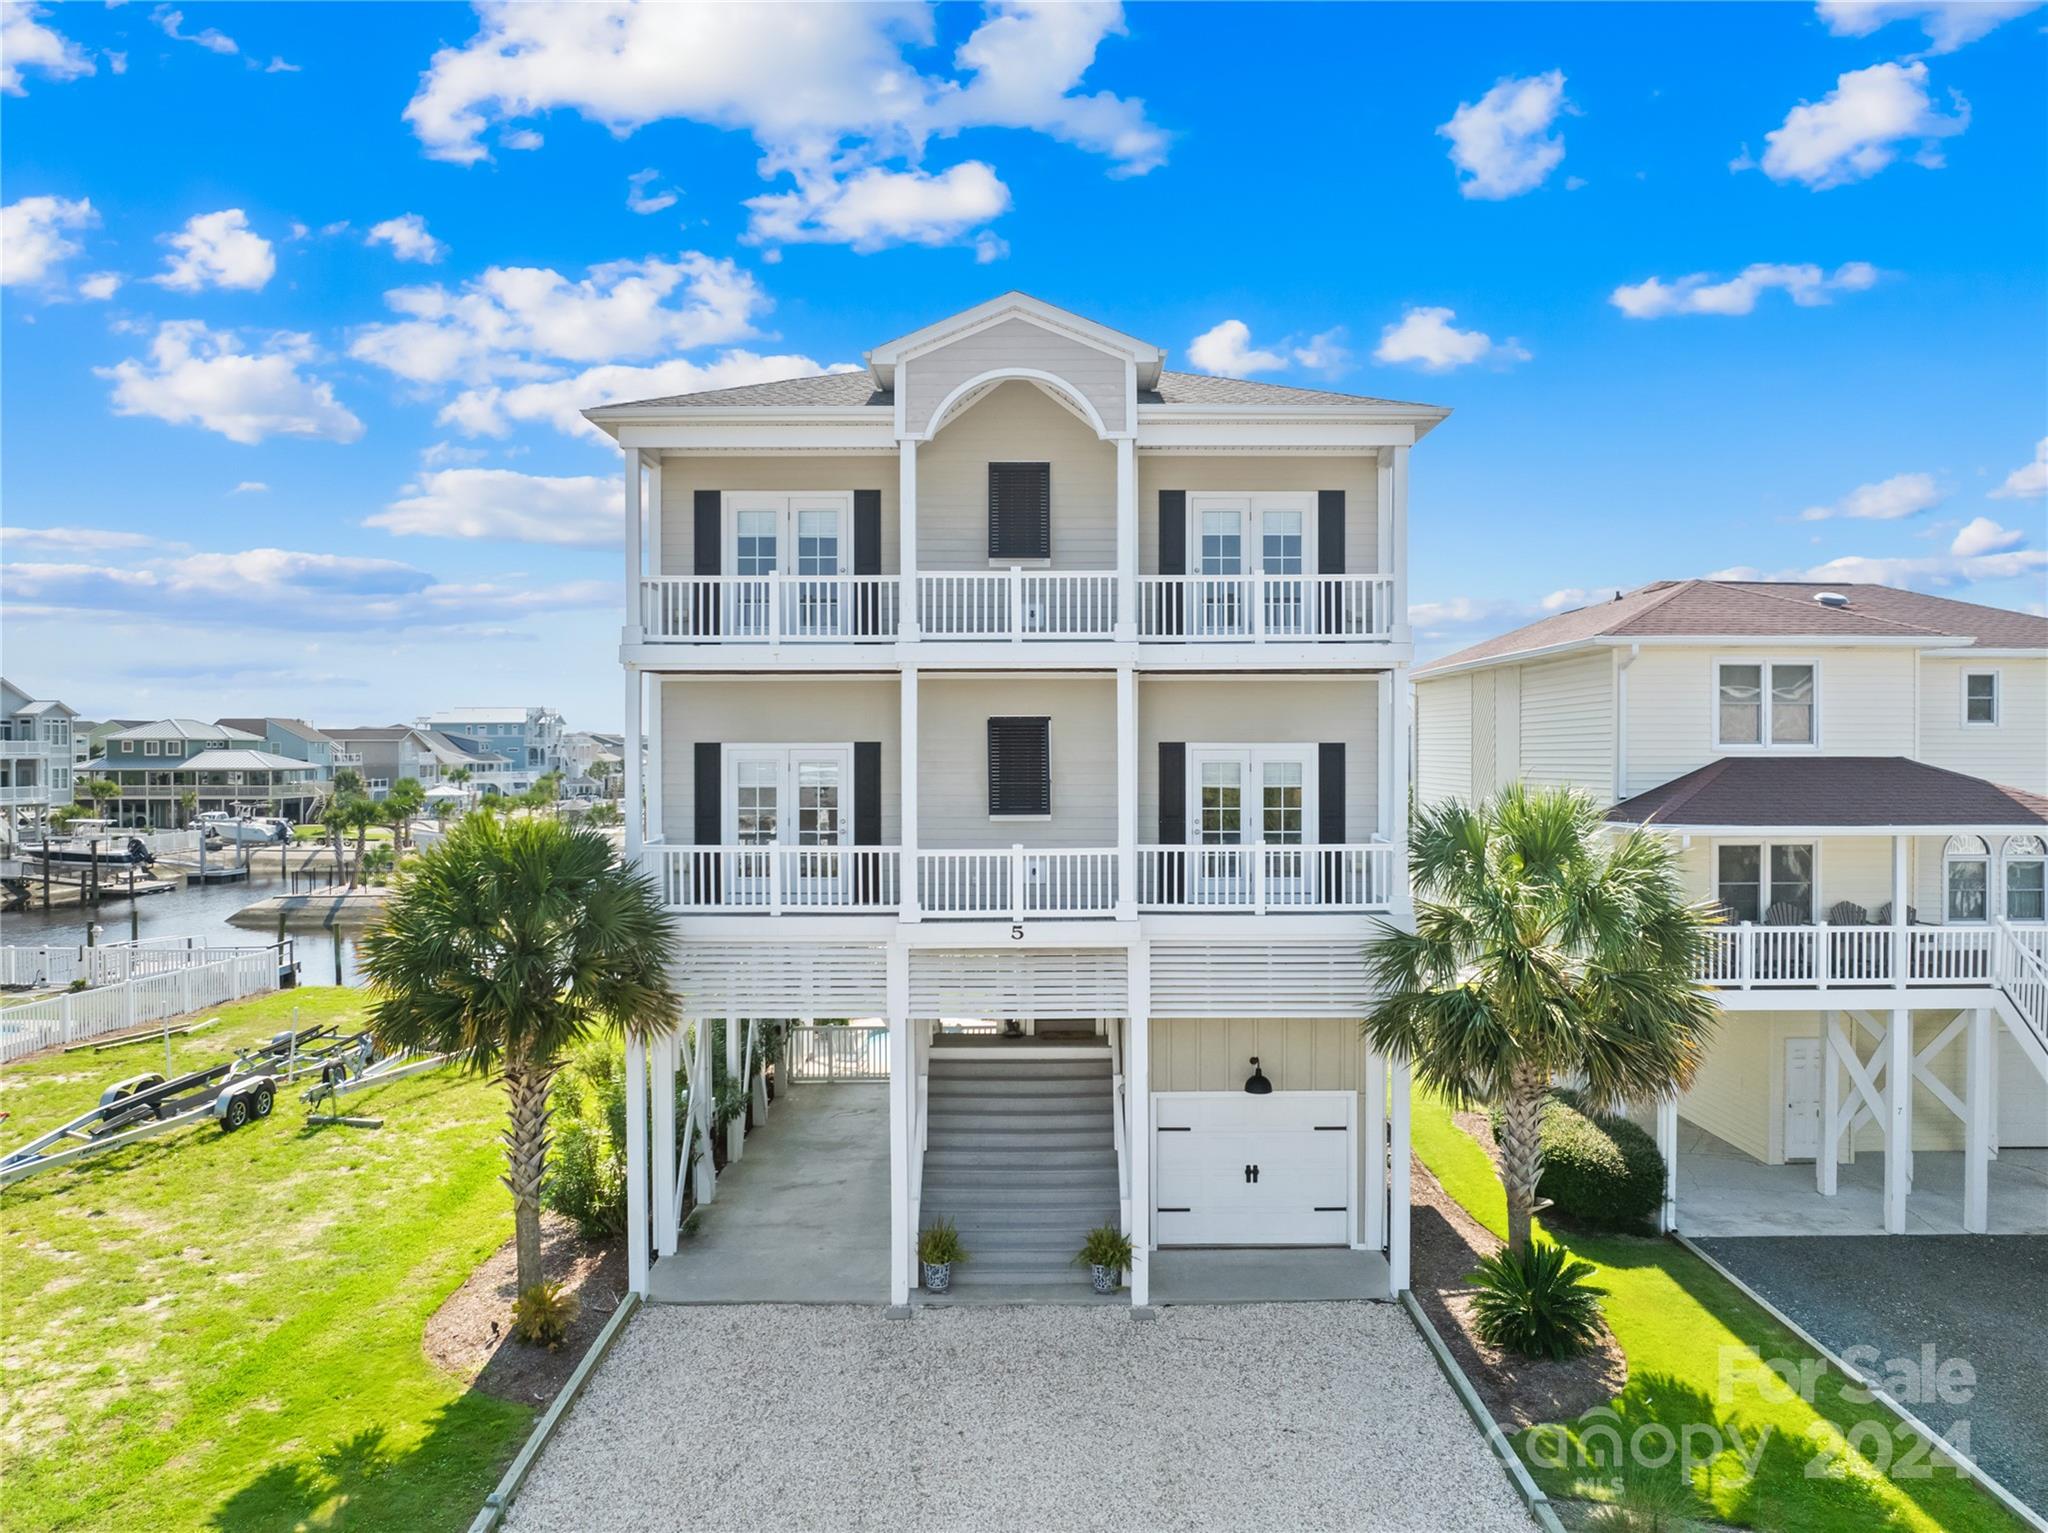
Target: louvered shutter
x=867, y=816
x=1020, y=510
x=867, y=560
x=1329, y=606
x=1019, y=766
x=1173, y=558
x=707, y=546
x=1173, y=817
x=708, y=764
x=1330, y=794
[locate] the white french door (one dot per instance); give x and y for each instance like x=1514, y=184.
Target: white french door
x=794, y=803
x=1247, y=805
x=1234, y=536
x=806, y=538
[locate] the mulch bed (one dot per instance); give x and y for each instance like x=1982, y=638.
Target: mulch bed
x=1445, y=1244
x=471, y=1337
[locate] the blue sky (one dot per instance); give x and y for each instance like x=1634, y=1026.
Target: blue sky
x=301, y=300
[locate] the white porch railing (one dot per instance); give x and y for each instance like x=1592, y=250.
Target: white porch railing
x=1824, y=957
x=774, y=879
x=855, y=1051
x=1016, y=883
x=769, y=609
x=1257, y=608
x=1264, y=878
x=1017, y=604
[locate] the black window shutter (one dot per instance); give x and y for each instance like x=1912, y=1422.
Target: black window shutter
x=1329, y=606
x=1173, y=557
x=867, y=793
x=710, y=820
x=1020, y=510
x=1330, y=794
x=1173, y=792
x=1019, y=766
x=867, y=560
x=706, y=548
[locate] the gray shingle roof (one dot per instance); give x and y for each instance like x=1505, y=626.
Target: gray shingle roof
x=1760, y=609
x=1852, y=791
x=1206, y=389
x=857, y=388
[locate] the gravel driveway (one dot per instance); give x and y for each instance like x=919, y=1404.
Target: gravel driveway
x=1291, y=1416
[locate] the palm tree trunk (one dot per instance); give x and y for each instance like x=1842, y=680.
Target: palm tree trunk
x=356, y=872
x=1521, y=1151
x=526, y=1150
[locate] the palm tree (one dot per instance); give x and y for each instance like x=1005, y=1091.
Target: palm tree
x=507, y=944
x=102, y=791
x=348, y=783
x=404, y=800
x=345, y=815
x=188, y=806
x=1544, y=948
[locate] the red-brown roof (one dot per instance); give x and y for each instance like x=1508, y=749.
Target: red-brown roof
x=1709, y=609
x=1880, y=792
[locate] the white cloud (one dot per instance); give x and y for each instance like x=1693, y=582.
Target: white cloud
x=36, y=236
x=989, y=246
x=100, y=285
x=876, y=208
x=640, y=200
x=1227, y=349
x=1502, y=143
x=217, y=250
x=25, y=43
x=1701, y=293
x=515, y=321
x=493, y=410
x=1328, y=353
x=1855, y=130
x=1427, y=339
x=278, y=66
x=212, y=39
x=408, y=238
x=250, y=487
x=2030, y=480
x=72, y=539
x=201, y=377
x=585, y=511
x=1981, y=535
x=1948, y=25
x=1889, y=500
x=830, y=93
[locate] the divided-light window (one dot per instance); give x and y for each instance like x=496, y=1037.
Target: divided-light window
x=1765, y=703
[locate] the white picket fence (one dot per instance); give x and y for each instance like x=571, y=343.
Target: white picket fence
x=114, y=963
x=850, y=1052
x=78, y=1015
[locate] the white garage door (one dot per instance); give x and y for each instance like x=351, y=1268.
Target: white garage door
x=1230, y=1169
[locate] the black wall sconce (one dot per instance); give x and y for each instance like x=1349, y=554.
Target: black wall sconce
x=1256, y=1083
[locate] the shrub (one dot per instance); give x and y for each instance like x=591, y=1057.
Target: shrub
x=586, y=1179
x=939, y=1245
x=1536, y=1305
x=1648, y=1505
x=541, y=1316
x=1599, y=1169
x=1106, y=1246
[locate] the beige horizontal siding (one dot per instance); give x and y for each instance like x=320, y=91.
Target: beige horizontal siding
x=1296, y=1053
x=1443, y=740
x=682, y=477
x=1016, y=423
x=953, y=715
x=1567, y=724
x=926, y=380
x=1356, y=476
x=2014, y=751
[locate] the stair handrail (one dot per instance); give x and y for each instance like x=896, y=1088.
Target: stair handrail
x=2022, y=974
x=1116, y=1115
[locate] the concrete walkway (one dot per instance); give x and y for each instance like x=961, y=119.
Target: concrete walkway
x=1306, y=1417
x=802, y=1218
x=1723, y=1192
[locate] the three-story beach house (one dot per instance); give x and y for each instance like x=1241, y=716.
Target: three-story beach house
x=1052, y=706
x=1856, y=775
x=36, y=757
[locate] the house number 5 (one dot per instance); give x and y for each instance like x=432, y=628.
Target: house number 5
x=1017, y=932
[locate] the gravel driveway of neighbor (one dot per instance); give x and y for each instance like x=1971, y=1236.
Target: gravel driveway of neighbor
x=1286, y=1416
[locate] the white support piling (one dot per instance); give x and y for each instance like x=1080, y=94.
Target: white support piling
x=1398, y=1172
x=1898, y=1125
x=637, y=1263
x=1981, y=1112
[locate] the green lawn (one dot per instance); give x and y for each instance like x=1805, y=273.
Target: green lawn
x=210, y=1330
x=1692, y=1342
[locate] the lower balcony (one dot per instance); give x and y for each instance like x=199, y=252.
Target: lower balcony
x=1824, y=957
x=1018, y=883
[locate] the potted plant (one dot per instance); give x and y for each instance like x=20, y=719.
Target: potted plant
x=938, y=1248
x=1106, y=1253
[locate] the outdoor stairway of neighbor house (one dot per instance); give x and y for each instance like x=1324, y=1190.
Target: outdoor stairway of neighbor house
x=1020, y=1155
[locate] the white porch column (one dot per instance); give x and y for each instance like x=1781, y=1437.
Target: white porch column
x=652, y=712
x=661, y=1053
x=636, y=1166
x=1399, y=1169
x=635, y=809
x=906, y=535
x=1898, y=1128
x=1901, y=879
x=1667, y=1146
x=1828, y=1164
x=757, y=1082
x=1982, y=1102
x=1397, y=566
x=902, y=1067
x=735, y=1131
x=1126, y=537
x=1126, y=793
x=634, y=568
x=1397, y=806
x=1386, y=820
x=1138, y=1093
x=906, y=776
x=704, y=1175
x=1372, y=1154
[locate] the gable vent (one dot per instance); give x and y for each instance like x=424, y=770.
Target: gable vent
x=1831, y=599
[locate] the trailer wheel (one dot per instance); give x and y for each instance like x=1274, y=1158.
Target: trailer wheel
x=235, y=1114
x=265, y=1097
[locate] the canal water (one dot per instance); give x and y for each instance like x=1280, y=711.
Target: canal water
x=198, y=910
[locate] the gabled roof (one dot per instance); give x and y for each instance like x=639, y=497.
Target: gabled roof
x=883, y=359
x=1737, y=609
x=1878, y=792
x=298, y=727
x=189, y=729
x=209, y=761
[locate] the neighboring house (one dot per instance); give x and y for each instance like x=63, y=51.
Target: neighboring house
x=37, y=756
x=1859, y=776
x=590, y=763
x=226, y=769
x=384, y=753
x=491, y=773
x=298, y=740
x=528, y=740
x=1018, y=679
